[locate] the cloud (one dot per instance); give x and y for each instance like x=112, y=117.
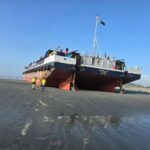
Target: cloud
x=145, y=80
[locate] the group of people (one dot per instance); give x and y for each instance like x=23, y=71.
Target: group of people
x=43, y=83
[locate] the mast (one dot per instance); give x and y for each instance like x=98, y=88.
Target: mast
x=95, y=45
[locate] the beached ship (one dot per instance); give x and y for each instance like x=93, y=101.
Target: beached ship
x=74, y=71
x=71, y=70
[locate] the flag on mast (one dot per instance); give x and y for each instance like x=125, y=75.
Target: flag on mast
x=99, y=20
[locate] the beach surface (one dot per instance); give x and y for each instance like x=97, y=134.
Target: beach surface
x=69, y=120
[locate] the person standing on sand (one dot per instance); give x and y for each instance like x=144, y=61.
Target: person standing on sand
x=33, y=83
x=43, y=82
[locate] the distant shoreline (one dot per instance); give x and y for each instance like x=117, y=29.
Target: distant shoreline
x=143, y=89
x=11, y=77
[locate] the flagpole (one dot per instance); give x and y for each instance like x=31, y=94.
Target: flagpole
x=95, y=43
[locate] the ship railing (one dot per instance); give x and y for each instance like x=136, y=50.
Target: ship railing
x=135, y=70
x=98, y=62
x=32, y=65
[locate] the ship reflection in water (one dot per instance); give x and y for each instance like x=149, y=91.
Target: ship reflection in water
x=82, y=132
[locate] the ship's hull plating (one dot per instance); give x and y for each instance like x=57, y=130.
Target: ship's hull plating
x=56, y=74
x=103, y=79
x=62, y=76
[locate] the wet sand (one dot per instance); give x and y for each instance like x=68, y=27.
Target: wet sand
x=57, y=119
